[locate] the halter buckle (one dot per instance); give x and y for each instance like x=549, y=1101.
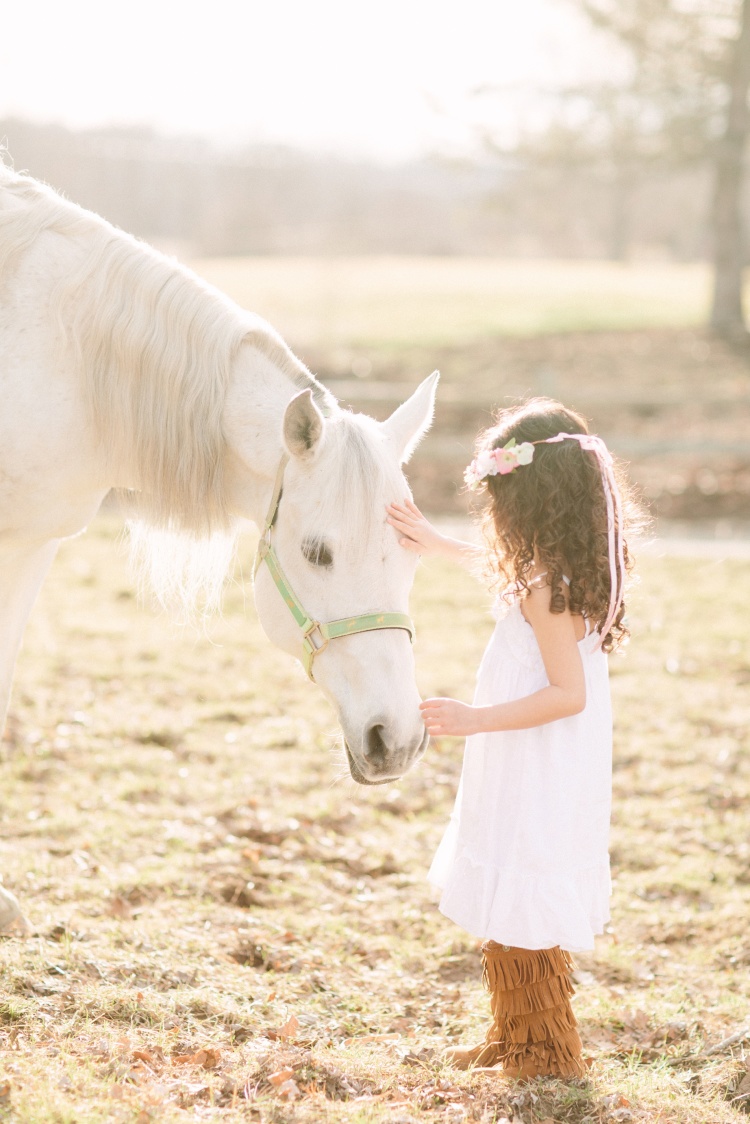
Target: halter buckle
x=315, y=644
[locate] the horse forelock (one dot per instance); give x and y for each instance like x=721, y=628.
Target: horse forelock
x=360, y=475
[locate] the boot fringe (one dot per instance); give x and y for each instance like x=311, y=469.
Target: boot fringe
x=560, y=1057
x=508, y=969
x=542, y=996
x=537, y=1026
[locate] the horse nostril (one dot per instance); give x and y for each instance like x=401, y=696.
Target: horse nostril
x=375, y=747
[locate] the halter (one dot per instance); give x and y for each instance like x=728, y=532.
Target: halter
x=315, y=634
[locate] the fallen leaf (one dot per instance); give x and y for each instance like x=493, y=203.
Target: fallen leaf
x=5, y=1093
x=143, y=1056
x=289, y=1029
x=280, y=1076
x=208, y=1058
x=151, y=1057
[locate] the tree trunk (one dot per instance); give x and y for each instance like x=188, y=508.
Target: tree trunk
x=620, y=222
x=727, y=317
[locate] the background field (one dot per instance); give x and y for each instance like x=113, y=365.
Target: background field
x=225, y=926
x=621, y=343
x=342, y=303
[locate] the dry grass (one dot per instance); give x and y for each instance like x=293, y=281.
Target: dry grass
x=212, y=907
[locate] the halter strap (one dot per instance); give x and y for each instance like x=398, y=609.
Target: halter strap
x=315, y=634
x=590, y=443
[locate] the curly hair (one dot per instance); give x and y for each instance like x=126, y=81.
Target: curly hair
x=553, y=513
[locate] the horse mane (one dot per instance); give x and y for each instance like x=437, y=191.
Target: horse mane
x=154, y=346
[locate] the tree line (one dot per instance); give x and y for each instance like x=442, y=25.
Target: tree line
x=186, y=193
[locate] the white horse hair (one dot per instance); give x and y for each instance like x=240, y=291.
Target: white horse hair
x=145, y=331
x=121, y=369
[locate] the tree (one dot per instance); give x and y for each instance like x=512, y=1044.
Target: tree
x=727, y=316
x=687, y=82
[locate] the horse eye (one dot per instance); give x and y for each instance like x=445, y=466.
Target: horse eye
x=317, y=553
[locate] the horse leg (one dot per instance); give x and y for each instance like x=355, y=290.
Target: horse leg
x=22, y=571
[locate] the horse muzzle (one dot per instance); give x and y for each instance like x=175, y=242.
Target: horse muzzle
x=379, y=761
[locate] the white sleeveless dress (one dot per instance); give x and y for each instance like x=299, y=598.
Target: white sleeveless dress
x=524, y=860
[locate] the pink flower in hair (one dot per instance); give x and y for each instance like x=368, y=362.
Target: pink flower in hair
x=506, y=460
x=498, y=462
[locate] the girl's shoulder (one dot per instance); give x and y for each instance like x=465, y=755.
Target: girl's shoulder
x=536, y=604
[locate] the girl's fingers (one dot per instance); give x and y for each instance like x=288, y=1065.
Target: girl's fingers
x=400, y=522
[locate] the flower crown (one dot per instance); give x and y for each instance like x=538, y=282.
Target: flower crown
x=498, y=462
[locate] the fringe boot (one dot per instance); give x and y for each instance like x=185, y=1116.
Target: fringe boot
x=533, y=1031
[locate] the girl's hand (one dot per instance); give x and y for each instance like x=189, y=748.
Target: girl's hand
x=448, y=716
x=416, y=533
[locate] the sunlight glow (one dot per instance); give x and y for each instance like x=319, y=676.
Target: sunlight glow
x=390, y=79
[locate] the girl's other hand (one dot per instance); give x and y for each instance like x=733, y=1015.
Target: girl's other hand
x=448, y=716
x=415, y=532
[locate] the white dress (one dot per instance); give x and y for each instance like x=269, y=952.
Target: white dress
x=524, y=860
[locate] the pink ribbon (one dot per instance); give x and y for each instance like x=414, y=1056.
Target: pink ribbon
x=616, y=550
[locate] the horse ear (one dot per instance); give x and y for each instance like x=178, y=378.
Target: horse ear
x=408, y=424
x=303, y=426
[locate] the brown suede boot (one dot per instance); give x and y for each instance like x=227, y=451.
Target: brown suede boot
x=494, y=1047
x=533, y=1031
x=530, y=998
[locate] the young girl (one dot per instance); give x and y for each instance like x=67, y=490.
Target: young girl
x=524, y=864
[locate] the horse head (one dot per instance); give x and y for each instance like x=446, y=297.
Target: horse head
x=341, y=561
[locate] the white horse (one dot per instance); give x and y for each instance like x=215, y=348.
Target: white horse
x=119, y=368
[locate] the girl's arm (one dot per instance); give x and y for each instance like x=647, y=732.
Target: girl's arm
x=565, y=695
x=417, y=534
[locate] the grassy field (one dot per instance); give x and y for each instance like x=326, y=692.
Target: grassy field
x=384, y=304
x=226, y=930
